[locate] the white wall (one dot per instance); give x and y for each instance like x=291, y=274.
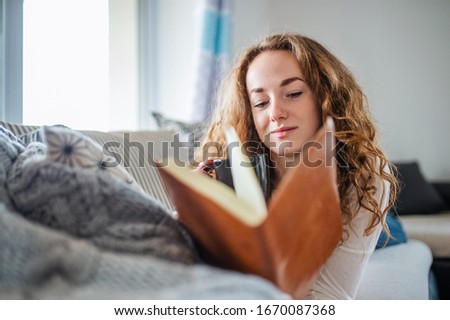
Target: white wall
x=398, y=50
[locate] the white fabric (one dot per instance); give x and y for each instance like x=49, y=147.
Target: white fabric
x=433, y=229
x=342, y=274
x=398, y=272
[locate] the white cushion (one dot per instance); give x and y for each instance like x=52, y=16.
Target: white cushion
x=433, y=229
x=398, y=272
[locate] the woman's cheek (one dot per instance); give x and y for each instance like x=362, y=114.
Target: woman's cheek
x=261, y=125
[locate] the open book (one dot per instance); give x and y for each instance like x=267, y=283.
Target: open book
x=287, y=241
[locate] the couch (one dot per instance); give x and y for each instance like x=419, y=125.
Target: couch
x=424, y=210
x=399, y=271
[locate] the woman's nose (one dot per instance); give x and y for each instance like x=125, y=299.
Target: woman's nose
x=278, y=111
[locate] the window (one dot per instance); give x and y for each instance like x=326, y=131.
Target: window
x=96, y=64
x=80, y=63
x=65, y=62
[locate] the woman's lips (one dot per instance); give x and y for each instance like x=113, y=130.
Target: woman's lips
x=282, y=132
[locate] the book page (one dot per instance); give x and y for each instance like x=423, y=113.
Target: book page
x=216, y=191
x=245, y=182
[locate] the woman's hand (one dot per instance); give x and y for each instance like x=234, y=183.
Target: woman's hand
x=204, y=167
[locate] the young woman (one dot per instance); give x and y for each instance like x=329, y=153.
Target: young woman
x=279, y=93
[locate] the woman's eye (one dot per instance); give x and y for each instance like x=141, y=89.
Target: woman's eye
x=260, y=104
x=295, y=94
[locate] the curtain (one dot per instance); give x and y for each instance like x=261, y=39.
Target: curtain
x=213, y=53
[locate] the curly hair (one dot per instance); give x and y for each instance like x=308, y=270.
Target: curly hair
x=338, y=95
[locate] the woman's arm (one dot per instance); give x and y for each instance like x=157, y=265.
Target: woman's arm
x=341, y=275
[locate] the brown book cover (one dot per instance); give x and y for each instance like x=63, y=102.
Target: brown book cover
x=289, y=243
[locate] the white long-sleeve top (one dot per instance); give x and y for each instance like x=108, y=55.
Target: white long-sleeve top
x=341, y=275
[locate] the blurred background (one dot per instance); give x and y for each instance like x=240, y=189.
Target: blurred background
x=107, y=64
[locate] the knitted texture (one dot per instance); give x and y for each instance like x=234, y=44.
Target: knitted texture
x=37, y=262
x=87, y=203
x=93, y=205
x=77, y=233
x=78, y=150
x=10, y=148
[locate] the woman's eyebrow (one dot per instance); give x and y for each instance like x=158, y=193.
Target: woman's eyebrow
x=283, y=83
x=256, y=90
x=287, y=81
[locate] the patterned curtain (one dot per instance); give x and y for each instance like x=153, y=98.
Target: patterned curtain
x=213, y=55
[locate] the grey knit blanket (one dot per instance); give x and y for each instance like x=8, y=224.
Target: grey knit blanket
x=75, y=233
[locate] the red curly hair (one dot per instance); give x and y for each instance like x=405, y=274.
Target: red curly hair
x=338, y=96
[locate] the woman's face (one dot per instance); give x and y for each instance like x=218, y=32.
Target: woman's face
x=284, y=108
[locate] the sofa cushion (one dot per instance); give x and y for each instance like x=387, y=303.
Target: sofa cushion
x=416, y=196
x=433, y=229
x=397, y=273
x=18, y=129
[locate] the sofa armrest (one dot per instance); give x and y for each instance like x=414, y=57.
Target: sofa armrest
x=397, y=272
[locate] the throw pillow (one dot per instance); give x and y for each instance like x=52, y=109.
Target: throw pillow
x=190, y=135
x=416, y=195
x=398, y=234
x=74, y=149
x=95, y=206
x=443, y=188
x=35, y=135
